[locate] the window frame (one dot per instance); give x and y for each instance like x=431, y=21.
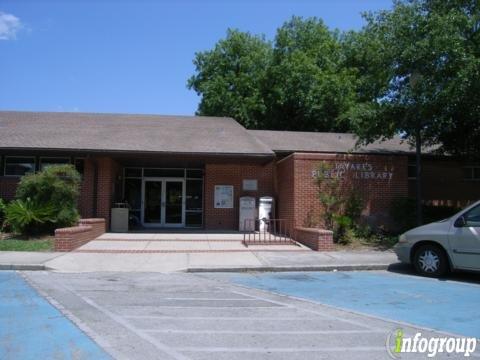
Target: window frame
x=53, y=157
x=6, y=157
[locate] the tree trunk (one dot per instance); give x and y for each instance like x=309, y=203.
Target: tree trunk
x=418, y=182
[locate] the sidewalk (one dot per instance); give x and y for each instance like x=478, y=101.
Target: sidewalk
x=198, y=261
x=26, y=260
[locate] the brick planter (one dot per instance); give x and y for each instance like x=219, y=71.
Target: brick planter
x=316, y=239
x=68, y=239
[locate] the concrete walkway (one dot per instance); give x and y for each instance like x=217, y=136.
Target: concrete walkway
x=25, y=260
x=178, y=243
x=198, y=261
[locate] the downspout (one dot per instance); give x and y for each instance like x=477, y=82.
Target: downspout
x=95, y=187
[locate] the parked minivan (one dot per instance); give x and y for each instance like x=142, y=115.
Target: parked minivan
x=450, y=244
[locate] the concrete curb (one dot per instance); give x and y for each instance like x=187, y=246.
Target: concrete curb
x=293, y=268
x=26, y=267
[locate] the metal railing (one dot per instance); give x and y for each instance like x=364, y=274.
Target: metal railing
x=268, y=232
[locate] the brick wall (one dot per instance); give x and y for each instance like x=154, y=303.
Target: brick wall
x=315, y=239
x=108, y=170
x=285, y=187
x=390, y=182
x=443, y=183
x=68, y=239
x=233, y=174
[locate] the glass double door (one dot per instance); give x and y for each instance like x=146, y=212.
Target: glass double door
x=163, y=202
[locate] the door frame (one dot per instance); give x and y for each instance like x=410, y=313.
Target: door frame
x=162, y=222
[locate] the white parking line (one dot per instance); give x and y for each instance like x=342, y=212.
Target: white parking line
x=289, y=350
x=352, y=322
x=272, y=332
x=160, y=346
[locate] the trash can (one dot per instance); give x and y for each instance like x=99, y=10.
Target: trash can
x=119, y=218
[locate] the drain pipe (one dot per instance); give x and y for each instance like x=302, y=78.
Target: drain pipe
x=95, y=187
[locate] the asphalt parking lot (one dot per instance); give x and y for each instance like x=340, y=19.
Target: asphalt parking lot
x=202, y=316
x=445, y=305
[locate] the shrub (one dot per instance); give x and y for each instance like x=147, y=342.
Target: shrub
x=3, y=206
x=353, y=207
x=49, y=196
x=27, y=217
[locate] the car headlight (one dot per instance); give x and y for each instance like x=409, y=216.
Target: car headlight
x=402, y=239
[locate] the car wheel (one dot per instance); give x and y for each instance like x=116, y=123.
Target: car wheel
x=430, y=260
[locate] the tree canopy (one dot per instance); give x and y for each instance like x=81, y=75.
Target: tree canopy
x=419, y=69
x=413, y=70
x=298, y=82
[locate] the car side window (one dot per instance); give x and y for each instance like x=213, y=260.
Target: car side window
x=472, y=217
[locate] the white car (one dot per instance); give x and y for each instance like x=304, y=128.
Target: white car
x=450, y=244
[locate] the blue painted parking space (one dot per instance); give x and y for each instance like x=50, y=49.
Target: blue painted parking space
x=31, y=328
x=442, y=305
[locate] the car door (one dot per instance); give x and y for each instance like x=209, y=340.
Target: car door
x=465, y=240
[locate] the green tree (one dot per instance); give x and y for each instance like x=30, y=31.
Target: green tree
x=229, y=78
x=308, y=87
x=300, y=83
x=420, y=66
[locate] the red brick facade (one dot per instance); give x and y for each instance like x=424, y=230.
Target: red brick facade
x=233, y=174
x=443, y=183
x=378, y=179
x=68, y=239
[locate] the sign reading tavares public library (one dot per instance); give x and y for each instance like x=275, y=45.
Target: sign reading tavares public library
x=362, y=171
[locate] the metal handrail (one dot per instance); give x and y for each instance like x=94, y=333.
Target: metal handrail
x=268, y=232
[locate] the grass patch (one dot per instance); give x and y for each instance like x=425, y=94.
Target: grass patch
x=31, y=244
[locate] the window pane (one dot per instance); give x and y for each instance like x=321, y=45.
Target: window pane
x=194, y=190
x=44, y=162
x=195, y=174
x=164, y=172
x=133, y=193
x=473, y=217
x=193, y=219
x=19, y=165
x=133, y=172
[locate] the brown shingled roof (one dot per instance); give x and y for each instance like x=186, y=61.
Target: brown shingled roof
x=298, y=141
x=128, y=133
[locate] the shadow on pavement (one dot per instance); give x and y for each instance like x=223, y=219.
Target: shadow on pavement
x=462, y=276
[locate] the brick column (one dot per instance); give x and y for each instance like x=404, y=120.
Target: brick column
x=108, y=169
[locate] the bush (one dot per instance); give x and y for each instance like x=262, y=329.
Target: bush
x=45, y=200
x=3, y=206
x=27, y=217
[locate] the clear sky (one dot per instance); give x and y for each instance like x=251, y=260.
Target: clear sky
x=131, y=56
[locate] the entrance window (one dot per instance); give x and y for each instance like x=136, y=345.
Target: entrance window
x=169, y=197
x=133, y=193
x=164, y=173
x=194, y=203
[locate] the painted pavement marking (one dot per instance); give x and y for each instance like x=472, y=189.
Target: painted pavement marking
x=159, y=345
x=31, y=328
